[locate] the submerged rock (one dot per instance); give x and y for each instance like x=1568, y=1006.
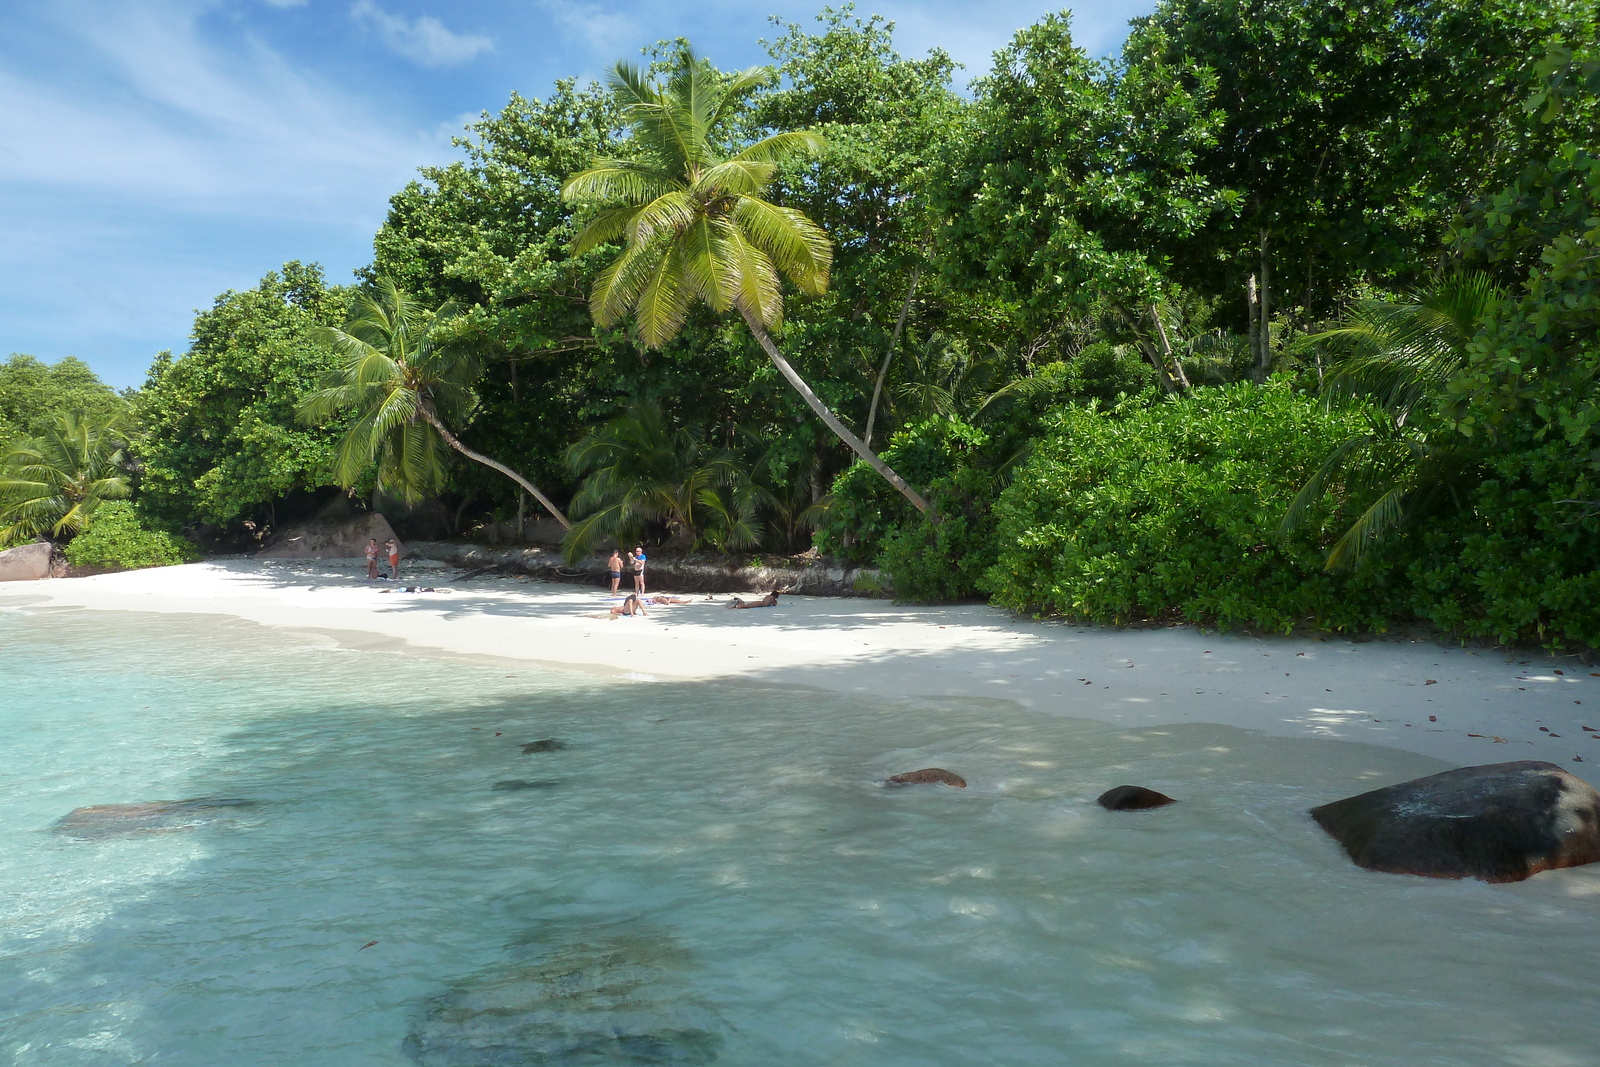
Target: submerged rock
x=1132, y=798
x=929, y=776
x=614, y=1000
x=516, y=785
x=150, y=817
x=1502, y=823
x=547, y=744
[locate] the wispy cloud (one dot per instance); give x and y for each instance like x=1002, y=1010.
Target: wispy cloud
x=600, y=27
x=425, y=41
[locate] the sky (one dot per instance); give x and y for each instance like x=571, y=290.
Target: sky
x=156, y=153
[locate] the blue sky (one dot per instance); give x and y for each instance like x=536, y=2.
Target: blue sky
x=154, y=153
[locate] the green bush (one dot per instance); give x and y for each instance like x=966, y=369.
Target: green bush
x=954, y=464
x=1171, y=510
x=117, y=538
x=1521, y=564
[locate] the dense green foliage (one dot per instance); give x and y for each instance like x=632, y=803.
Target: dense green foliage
x=117, y=538
x=220, y=441
x=1170, y=510
x=1284, y=313
x=33, y=395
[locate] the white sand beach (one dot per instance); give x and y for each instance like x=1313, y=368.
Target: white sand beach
x=1463, y=705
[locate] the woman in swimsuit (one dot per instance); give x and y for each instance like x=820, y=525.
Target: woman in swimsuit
x=632, y=606
x=372, y=559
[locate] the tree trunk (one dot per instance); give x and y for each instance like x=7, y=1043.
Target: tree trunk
x=822, y=412
x=1254, y=312
x=1151, y=356
x=429, y=414
x=894, y=343
x=1178, y=375
x=1263, y=366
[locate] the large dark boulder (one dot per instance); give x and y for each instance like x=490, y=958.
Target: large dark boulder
x=1501, y=823
x=618, y=1000
x=1132, y=798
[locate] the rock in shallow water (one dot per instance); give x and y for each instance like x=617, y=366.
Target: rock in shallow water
x=545, y=744
x=929, y=776
x=1132, y=798
x=517, y=785
x=1501, y=822
x=608, y=1001
x=151, y=817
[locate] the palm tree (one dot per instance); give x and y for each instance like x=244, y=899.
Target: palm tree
x=637, y=470
x=52, y=484
x=1400, y=354
x=407, y=380
x=694, y=224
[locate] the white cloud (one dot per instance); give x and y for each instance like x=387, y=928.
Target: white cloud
x=169, y=117
x=426, y=40
x=604, y=29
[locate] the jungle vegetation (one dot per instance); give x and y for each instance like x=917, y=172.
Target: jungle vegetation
x=1285, y=314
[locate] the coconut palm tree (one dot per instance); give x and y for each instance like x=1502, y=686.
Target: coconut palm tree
x=407, y=380
x=51, y=485
x=690, y=214
x=638, y=470
x=1399, y=354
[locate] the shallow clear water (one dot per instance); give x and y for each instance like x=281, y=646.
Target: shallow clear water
x=710, y=872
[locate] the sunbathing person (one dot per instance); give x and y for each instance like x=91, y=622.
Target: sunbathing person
x=631, y=606
x=660, y=599
x=768, y=601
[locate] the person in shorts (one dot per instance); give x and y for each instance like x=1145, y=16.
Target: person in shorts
x=614, y=571
x=638, y=557
x=372, y=559
x=394, y=558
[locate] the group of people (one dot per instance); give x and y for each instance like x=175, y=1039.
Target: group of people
x=391, y=548
x=636, y=559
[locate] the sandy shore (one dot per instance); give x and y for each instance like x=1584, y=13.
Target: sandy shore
x=1413, y=695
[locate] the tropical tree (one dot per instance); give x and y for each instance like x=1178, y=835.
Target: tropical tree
x=694, y=224
x=406, y=378
x=638, y=470
x=1399, y=354
x=52, y=484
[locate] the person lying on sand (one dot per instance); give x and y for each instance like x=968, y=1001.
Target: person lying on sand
x=660, y=599
x=768, y=601
x=631, y=606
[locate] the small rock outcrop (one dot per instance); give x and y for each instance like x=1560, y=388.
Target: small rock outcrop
x=929, y=776
x=544, y=744
x=1501, y=822
x=150, y=817
x=614, y=1000
x=1132, y=798
x=341, y=538
x=25, y=563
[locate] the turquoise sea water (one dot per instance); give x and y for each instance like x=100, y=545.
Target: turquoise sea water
x=703, y=874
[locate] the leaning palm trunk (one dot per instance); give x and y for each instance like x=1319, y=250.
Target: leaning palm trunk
x=827, y=416
x=427, y=412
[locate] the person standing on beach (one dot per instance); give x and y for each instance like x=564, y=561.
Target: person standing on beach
x=614, y=571
x=372, y=559
x=394, y=558
x=638, y=557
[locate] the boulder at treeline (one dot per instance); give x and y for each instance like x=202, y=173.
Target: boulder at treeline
x=1132, y=798
x=332, y=538
x=1501, y=823
x=929, y=776
x=25, y=563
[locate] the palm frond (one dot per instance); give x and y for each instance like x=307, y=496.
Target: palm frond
x=797, y=246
